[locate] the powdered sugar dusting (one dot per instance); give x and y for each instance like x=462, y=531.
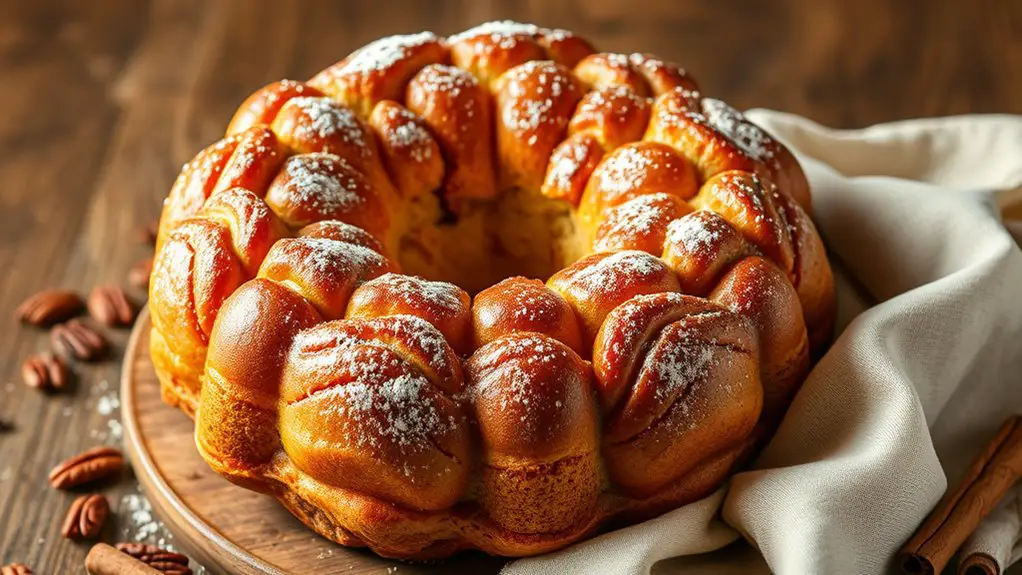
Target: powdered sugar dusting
x=697, y=233
x=616, y=100
x=611, y=271
x=384, y=53
x=637, y=217
x=749, y=137
x=526, y=112
x=625, y=168
x=629, y=319
x=421, y=334
x=449, y=81
x=513, y=385
x=407, y=134
x=247, y=207
x=324, y=183
x=505, y=33
x=678, y=362
x=440, y=297
x=741, y=191
x=566, y=161
x=326, y=256
x=328, y=119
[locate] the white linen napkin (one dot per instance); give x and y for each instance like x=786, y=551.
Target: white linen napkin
x=927, y=365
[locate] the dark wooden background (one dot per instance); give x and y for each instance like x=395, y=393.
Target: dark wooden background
x=101, y=102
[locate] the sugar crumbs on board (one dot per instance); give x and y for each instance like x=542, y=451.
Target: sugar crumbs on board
x=139, y=525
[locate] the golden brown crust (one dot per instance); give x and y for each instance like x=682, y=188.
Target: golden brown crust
x=634, y=170
x=457, y=109
x=321, y=186
x=596, y=284
x=531, y=398
x=693, y=387
x=263, y=105
x=639, y=224
x=442, y=304
x=400, y=414
x=410, y=151
x=535, y=102
x=522, y=305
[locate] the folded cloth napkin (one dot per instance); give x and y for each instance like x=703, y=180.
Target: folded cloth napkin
x=926, y=365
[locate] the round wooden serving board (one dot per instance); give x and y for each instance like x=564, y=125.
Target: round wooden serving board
x=227, y=528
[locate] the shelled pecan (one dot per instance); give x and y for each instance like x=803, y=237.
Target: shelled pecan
x=49, y=306
x=86, y=517
x=79, y=340
x=45, y=371
x=162, y=560
x=92, y=465
x=109, y=305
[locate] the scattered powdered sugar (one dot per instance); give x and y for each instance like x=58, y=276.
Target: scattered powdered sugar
x=616, y=60
x=525, y=111
x=637, y=217
x=535, y=306
x=380, y=55
x=749, y=137
x=617, y=99
x=324, y=348
x=566, y=162
x=248, y=207
x=450, y=82
x=327, y=256
x=330, y=119
x=630, y=322
x=612, y=271
x=407, y=134
x=421, y=334
x=438, y=297
x=678, y=361
x=505, y=33
x=139, y=525
x=401, y=410
x=625, y=168
x=746, y=190
x=696, y=233
x=324, y=183
x=513, y=383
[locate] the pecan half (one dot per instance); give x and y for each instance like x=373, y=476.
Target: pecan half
x=147, y=232
x=15, y=569
x=92, y=465
x=77, y=339
x=85, y=517
x=139, y=273
x=49, y=307
x=109, y=305
x=160, y=559
x=44, y=371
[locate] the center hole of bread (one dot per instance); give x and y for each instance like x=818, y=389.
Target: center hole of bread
x=476, y=243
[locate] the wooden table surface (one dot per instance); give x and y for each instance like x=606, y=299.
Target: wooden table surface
x=101, y=103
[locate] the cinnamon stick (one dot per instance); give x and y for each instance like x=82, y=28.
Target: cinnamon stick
x=960, y=511
x=105, y=560
x=979, y=564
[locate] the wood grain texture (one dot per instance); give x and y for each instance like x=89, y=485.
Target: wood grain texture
x=101, y=102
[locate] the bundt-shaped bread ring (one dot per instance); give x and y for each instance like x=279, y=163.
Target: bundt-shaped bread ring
x=491, y=291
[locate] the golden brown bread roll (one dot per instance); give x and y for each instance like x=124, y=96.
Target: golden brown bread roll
x=522, y=305
x=679, y=377
x=531, y=398
x=614, y=289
